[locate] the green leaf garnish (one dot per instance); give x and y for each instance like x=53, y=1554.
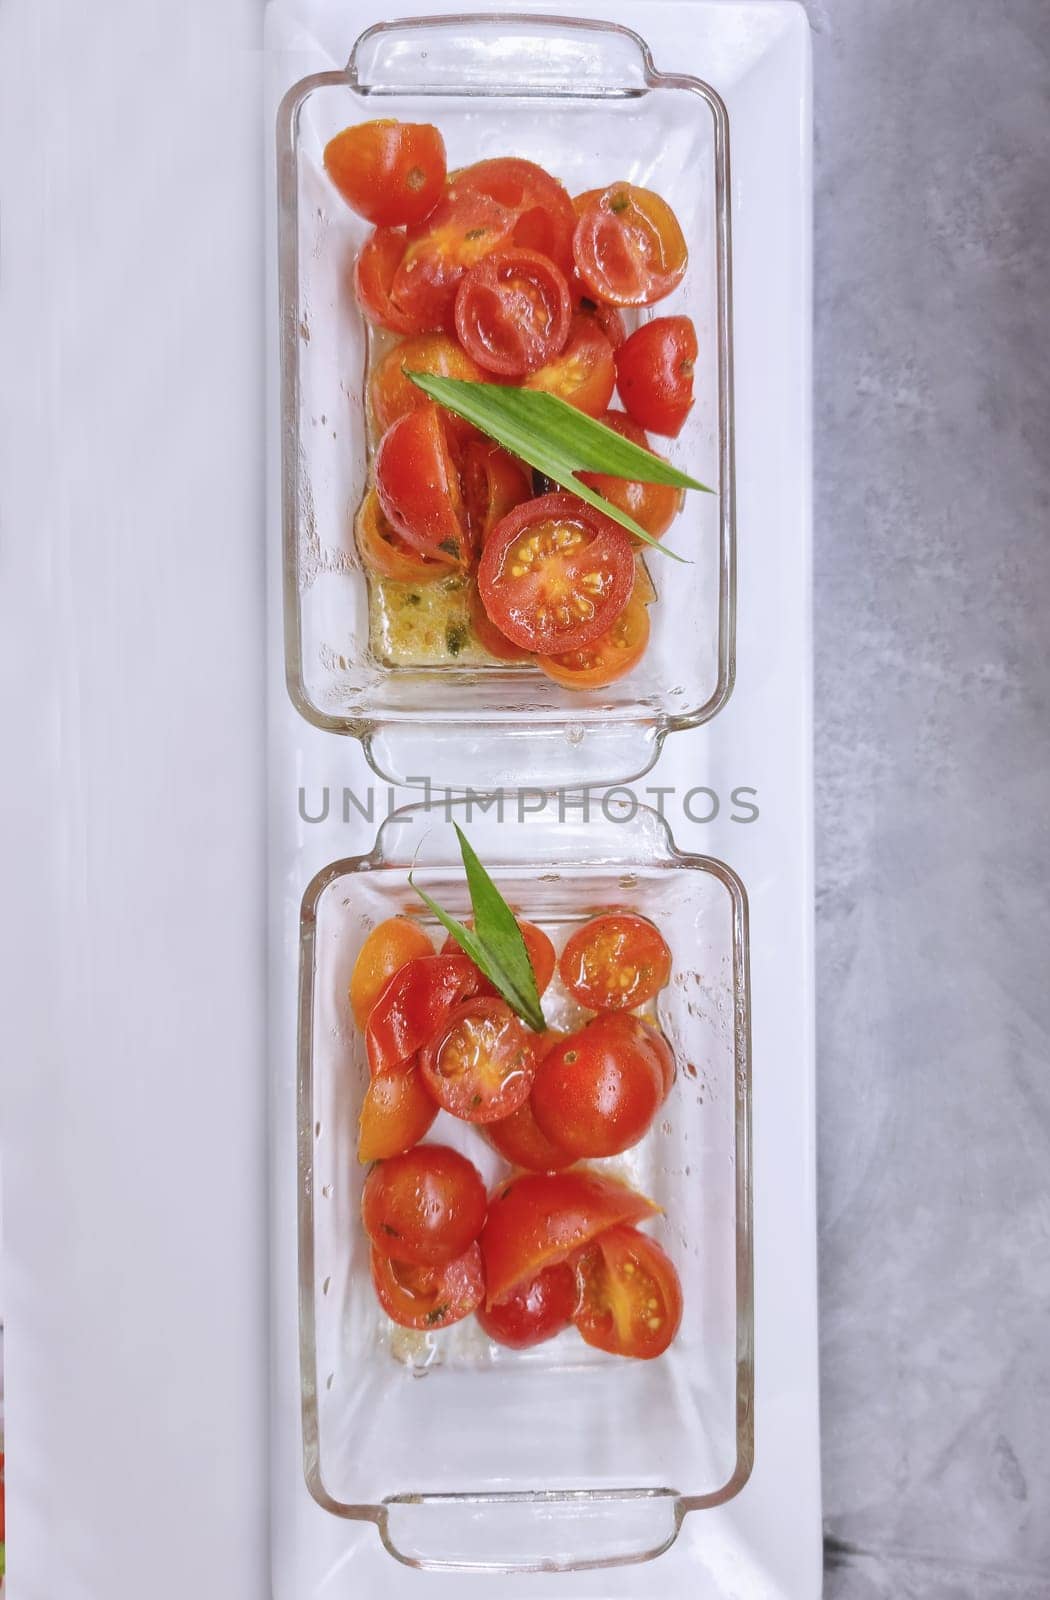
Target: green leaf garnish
x=494, y=943
x=557, y=440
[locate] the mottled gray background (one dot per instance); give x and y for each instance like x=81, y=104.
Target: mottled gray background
x=932, y=629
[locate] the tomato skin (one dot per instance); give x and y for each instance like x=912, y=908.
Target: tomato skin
x=539, y=950
x=653, y=506
x=493, y=483
x=374, y=271
x=424, y=1207
x=462, y=229
x=536, y=1220
x=513, y=312
x=615, y=962
x=385, y=951
x=418, y=487
x=519, y=1138
x=651, y=1038
x=609, y=658
x=389, y=172
x=597, y=1091
x=628, y=246
x=414, y=1004
x=545, y=219
x=384, y=552
x=630, y=1295
x=393, y=396
x=584, y=374
x=429, y=1297
x=554, y=574
x=397, y=1112
x=608, y=318
x=489, y=636
x=479, y=1066
x=655, y=371
x=534, y=1313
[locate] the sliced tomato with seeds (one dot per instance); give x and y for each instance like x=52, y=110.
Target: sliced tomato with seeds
x=628, y=246
x=393, y=395
x=463, y=228
x=418, y=487
x=534, y=1313
x=429, y=1297
x=598, y=1091
x=541, y=956
x=630, y=1296
x=615, y=962
x=545, y=218
x=584, y=374
x=612, y=656
x=389, y=946
x=374, y=271
x=390, y=172
x=480, y=1065
x=493, y=483
x=555, y=574
x=386, y=553
x=655, y=370
x=413, y=1005
x=513, y=312
x=653, y=506
x=396, y=1113
x=425, y=1206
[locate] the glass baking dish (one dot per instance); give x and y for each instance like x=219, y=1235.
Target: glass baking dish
x=463, y=1454
x=585, y=100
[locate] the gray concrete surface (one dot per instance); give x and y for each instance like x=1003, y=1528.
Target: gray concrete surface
x=932, y=628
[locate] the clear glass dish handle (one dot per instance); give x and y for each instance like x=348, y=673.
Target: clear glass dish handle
x=481, y=54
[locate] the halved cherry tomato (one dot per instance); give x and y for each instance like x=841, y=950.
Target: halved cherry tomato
x=595, y=666
x=536, y=1220
x=539, y=950
x=462, y=229
x=513, y=312
x=653, y=506
x=598, y=1091
x=628, y=246
x=584, y=375
x=535, y=1312
x=393, y=395
x=615, y=962
x=383, y=550
x=479, y=1066
x=493, y=483
x=655, y=374
x=413, y=1006
x=630, y=1295
x=396, y=1113
x=608, y=318
x=489, y=636
x=545, y=218
x=425, y=1207
x=389, y=172
x=384, y=952
x=418, y=487
x=374, y=272
x=429, y=1297
x=651, y=1038
x=555, y=574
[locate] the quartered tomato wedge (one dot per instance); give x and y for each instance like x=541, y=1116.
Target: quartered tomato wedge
x=545, y=219
x=628, y=245
x=540, y=952
x=425, y=1207
x=374, y=271
x=536, y=1220
x=493, y=483
x=396, y=1113
x=480, y=1064
x=418, y=487
x=393, y=395
x=555, y=575
x=655, y=371
x=595, y=666
x=414, y=1004
x=584, y=374
x=513, y=312
x=389, y=172
x=630, y=1295
x=653, y=506
x=386, y=950
x=598, y=1091
x=535, y=1312
x=615, y=962
x=429, y=1297
x=462, y=229
x=384, y=552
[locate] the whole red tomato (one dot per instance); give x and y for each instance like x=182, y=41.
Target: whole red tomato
x=598, y=1091
x=424, y=1207
x=535, y=1312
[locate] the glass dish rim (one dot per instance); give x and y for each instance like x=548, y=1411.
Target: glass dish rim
x=364, y=727
x=665, y=855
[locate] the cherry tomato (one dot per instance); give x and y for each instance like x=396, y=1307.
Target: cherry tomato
x=480, y=1065
x=545, y=219
x=535, y=1312
x=489, y=636
x=594, y=666
x=389, y=172
x=608, y=318
x=374, y=271
x=630, y=1295
x=655, y=370
x=425, y=1207
x=536, y=1220
x=393, y=395
x=418, y=487
x=493, y=483
x=628, y=246
x=396, y=1113
x=539, y=950
x=414, y=1004
x=429, y=1297
x=462, y=229
x=615, y=962
x=653, y=506
x=651, y=1038
x=584, y=375
x=513, y=312
x=384, y=952
x=598, y=1091
x=384, y=552
x=519, y=1138
x=555, y=574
